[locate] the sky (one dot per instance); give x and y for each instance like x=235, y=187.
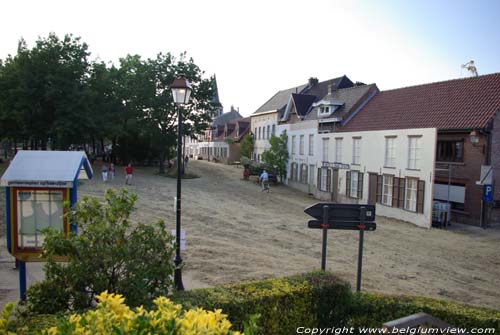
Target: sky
x=256, y=48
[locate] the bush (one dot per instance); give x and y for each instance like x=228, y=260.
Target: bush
x=373, y=309
x=108, y=254
x=112, y=316
x=311, y=300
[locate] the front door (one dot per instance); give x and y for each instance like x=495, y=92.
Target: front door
x=335, y=184
x=372, y=188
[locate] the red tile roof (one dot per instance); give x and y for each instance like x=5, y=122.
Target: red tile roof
x=468, y=103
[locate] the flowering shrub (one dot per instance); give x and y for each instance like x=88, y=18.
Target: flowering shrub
x=113, y=316
x=5, y=319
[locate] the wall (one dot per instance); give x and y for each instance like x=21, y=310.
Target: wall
x=372, y=157
x=263, y=120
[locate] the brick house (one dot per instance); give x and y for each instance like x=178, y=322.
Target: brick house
x=465, y=113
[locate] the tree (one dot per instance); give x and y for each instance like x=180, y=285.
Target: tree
x=247, y=146
x=276, y=156
x=109, y=253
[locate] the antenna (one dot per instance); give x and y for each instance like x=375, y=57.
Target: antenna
x=471, y=68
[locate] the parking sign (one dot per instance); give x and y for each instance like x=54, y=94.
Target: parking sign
x=488, y=193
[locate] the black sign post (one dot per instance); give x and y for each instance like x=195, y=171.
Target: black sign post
x=345, y=217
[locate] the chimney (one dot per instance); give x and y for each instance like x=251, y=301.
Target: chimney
x=313, y=81
x=330, y=89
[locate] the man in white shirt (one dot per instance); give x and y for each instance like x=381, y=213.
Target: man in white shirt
x=264, y=181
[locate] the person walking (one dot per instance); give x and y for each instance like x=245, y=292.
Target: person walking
x=264, y=181
x=129, y=170
x=186, y=160
x=111, y=172
x=104, y=172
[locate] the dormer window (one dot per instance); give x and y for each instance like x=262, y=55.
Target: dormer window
x=324, y=110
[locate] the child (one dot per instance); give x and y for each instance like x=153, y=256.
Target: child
x=128, y=174
x=111, y=172
x=104, y=173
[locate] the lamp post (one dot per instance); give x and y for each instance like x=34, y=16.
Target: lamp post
x=181, y=90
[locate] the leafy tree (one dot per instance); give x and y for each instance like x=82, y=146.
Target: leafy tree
x=108, y=254
x=247, y=146
x=276, y=156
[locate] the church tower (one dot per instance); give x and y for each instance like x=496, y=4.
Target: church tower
x=215, y=100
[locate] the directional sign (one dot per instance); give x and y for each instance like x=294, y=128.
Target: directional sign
x=341, y=212
x=344, y=225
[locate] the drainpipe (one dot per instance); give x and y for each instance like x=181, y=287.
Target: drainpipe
x=483, y=224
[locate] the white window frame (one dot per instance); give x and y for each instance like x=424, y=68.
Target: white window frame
x=301, y=144
x=387, y=187
x=356, y=150
x=390, y=151
x=414, y=152
x=293, y=144
x=354, y=184
x=411, y=194
x=311, y=144
x=338, y=150
x=324, y=177
x=324, y=145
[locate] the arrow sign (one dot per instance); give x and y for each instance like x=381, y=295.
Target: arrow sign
x=341, y=212
x=344, y=225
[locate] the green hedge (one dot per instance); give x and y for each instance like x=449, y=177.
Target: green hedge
x=372, y=310
x=313, y=300
x=316, y=299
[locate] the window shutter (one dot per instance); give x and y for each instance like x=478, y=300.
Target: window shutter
x=401, y=193
x=420, y=196
x=329, y=180
x=348, y=183
x=360, y=185
x=395, y=192
x=379, y=189
x=318, y=181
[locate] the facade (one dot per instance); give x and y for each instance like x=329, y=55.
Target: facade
x=265, y=121
x=465, y=114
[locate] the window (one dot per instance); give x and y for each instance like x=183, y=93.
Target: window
x=388, y=183
x=311, y=144
x=325, y=149
x=338, y=150
x=303, y=173
x=311, y=174
x=356, y=150
x=293, y=145
x=324, y=110
x=450, y=151
x=411, y=194
x=324, y=179
x=260, y=128
x=301, y=145
x=390, y=152
x=268, y=131
x=37, y=210
x=255, y=133
x=413, y=152
x=354, y=184
x=273, y=129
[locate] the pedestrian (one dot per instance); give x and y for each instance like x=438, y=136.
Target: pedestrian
x=104, y=173
x=129, y=170
x=264, y=181
x=111, y=172
x=186, y=160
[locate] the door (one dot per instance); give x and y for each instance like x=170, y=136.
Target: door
x=335, y=184
x=372, y=188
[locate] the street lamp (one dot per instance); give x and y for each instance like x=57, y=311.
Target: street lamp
x=181, y=90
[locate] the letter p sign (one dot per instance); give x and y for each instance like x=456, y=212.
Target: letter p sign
x=488, y=193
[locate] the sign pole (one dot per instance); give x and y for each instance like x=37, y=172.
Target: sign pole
x=22, y=280
x=360, y=250
x=325, y=235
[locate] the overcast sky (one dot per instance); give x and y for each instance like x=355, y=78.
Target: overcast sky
x=259, y=47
